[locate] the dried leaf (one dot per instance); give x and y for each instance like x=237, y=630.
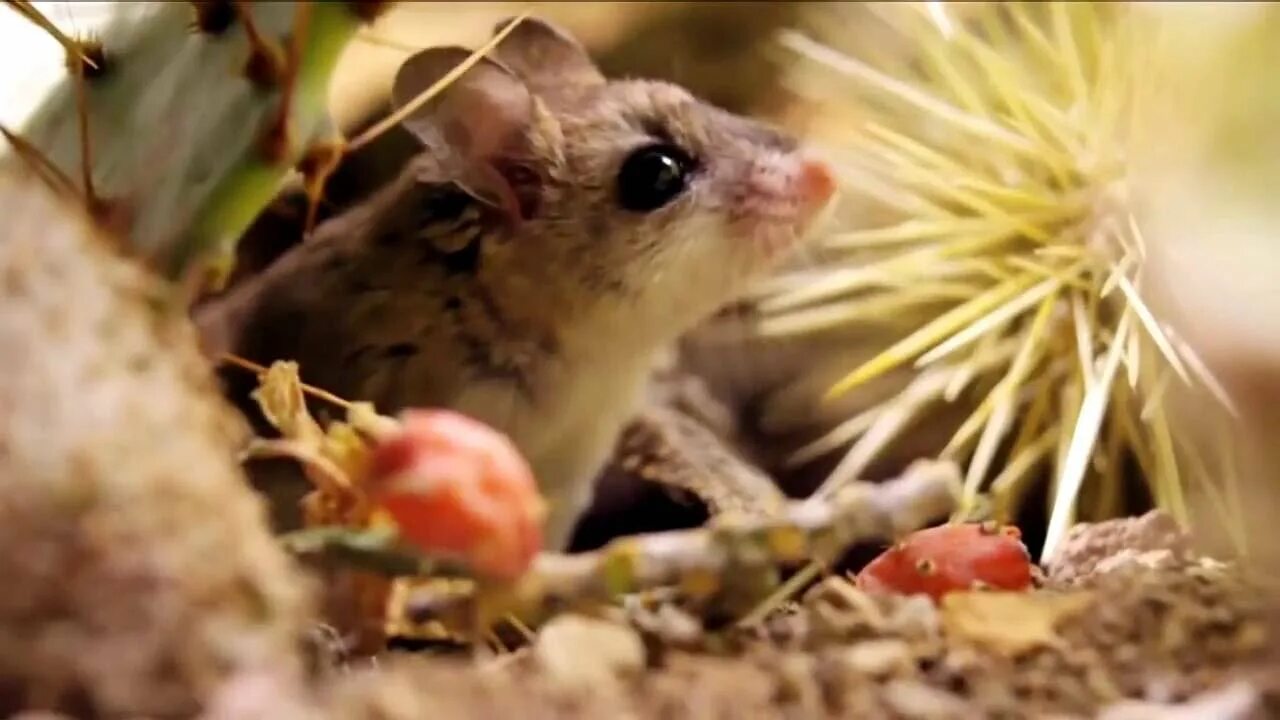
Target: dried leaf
x=320, y=470
x=279, y=394
x=1010, y=622
x=364, y=418
x=345, y=447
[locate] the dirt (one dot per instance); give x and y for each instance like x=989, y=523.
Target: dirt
x=1124, y=633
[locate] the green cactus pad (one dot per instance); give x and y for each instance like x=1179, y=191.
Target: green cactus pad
x=179, y=132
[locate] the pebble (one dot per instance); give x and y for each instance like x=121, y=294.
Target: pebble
x=916, y=701
x=879, y=658
x=579, y=652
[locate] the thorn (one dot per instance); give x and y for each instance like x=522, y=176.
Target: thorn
x=113, y=218
x=86, y=142
x=40, y=164
x=72, y=48
x=298, y=38
x=266, y=64
x=276, y=140
x=213, y=17
x=91, y=61
x=316, y=166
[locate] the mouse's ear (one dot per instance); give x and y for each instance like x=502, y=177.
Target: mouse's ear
x=479, y=120
x=546, y=57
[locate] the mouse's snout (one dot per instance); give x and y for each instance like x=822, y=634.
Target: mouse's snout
x=782, y=199
x=815, y=184
x=791, y=188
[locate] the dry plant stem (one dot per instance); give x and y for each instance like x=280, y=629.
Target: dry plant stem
x=374, y=550
x=786, y=591
x=425, y=96
x=311, y=390
x=703, y=561
x=323, y=472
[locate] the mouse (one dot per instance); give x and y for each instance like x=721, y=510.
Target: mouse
x=554, y=231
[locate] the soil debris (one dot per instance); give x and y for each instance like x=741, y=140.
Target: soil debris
x=1152, y=635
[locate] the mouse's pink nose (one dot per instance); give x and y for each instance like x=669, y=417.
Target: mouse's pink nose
x=816, y=183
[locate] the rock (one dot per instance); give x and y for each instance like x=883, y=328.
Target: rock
x=916, y=701
x=1088, y=544
x=798, y=689
x=669, y=624
x=879, y=658
x=1238, y=701
x=578, y=652
x=260, y=695
x=1152, y=560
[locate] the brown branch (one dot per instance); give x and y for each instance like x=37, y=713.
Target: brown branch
x=705, y=561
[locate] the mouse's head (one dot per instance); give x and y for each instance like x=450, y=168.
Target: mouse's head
x=630, y=202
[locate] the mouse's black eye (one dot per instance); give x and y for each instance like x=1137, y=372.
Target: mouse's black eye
x=653, y=176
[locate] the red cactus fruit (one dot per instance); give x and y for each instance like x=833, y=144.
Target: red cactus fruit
x=939, y=560
x=459, y=488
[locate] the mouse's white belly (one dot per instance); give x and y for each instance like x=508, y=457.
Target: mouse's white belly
x=567, y=436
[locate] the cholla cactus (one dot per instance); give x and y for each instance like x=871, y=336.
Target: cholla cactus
x=995, y=142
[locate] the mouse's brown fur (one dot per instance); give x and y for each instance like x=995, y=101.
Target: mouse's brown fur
x=498, y=274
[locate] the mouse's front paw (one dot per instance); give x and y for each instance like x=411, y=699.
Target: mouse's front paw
x=667, y=446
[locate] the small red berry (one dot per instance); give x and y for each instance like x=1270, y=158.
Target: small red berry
x=939, y=560
x=457, y=487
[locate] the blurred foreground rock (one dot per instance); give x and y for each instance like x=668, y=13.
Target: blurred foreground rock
x=139, y=573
